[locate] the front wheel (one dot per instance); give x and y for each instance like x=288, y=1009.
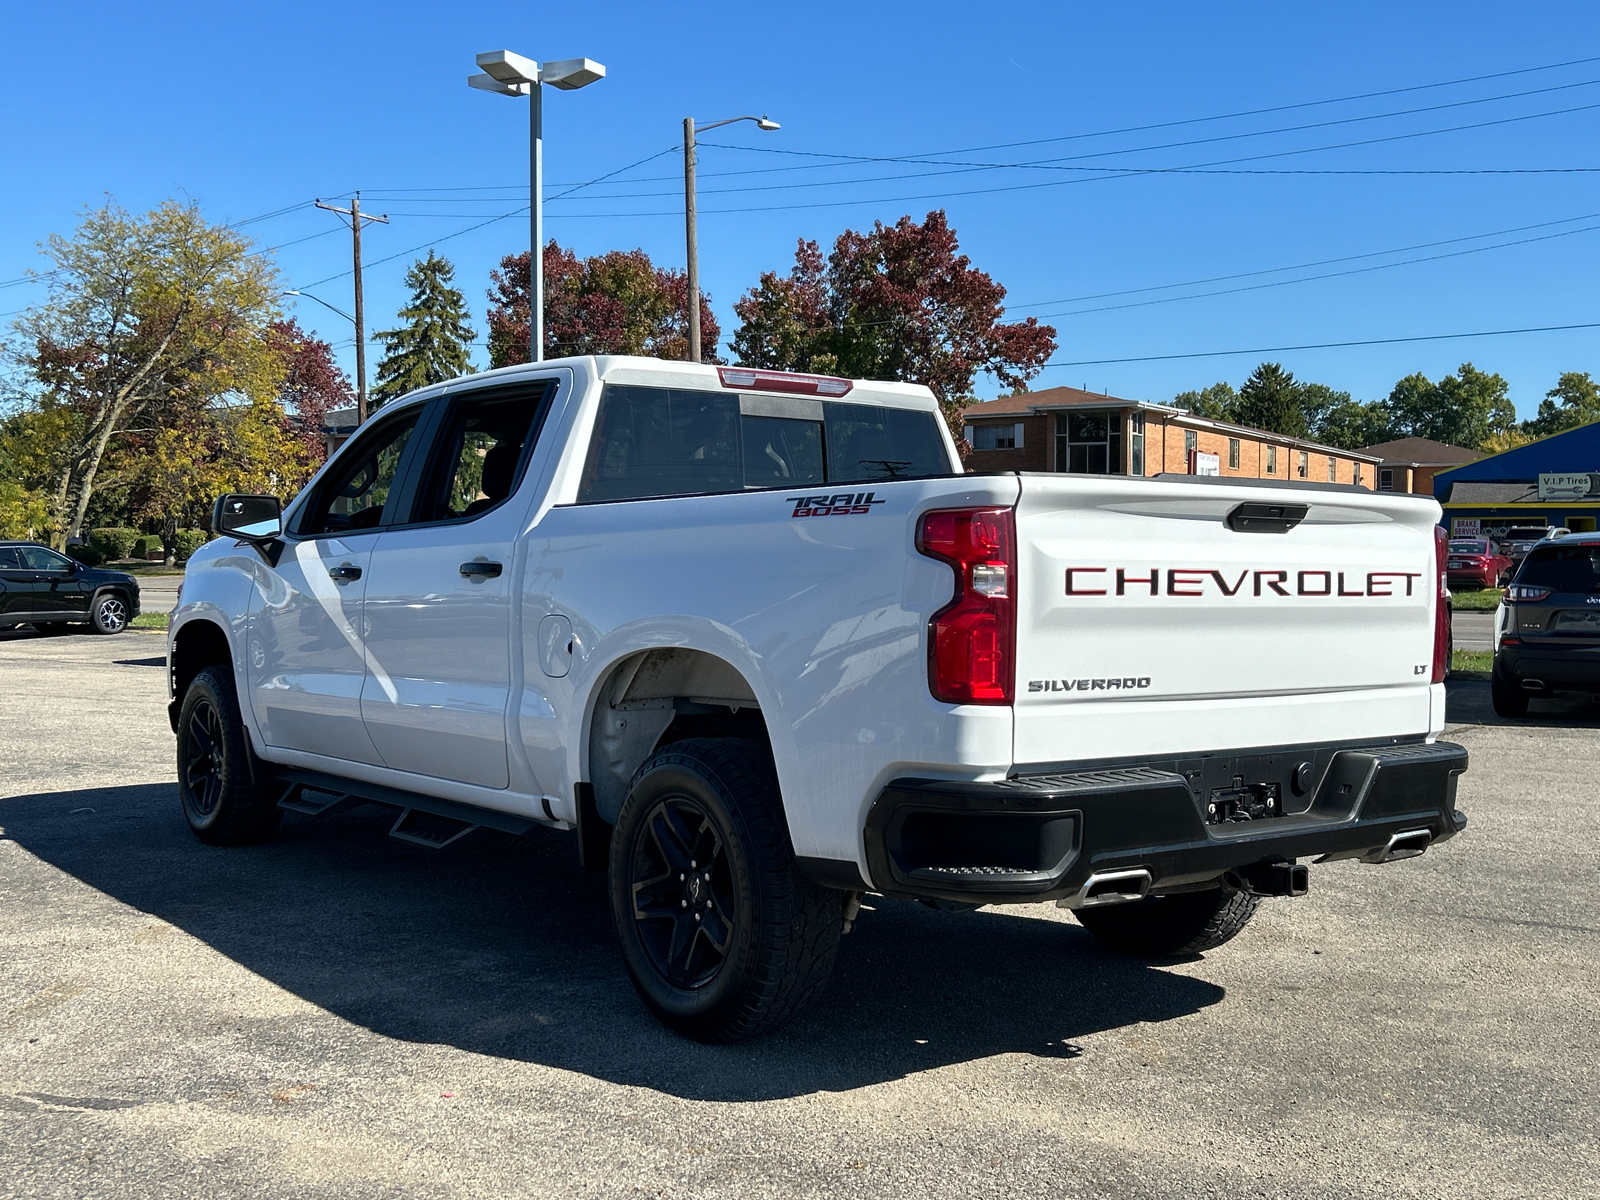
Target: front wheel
x=224, y=801
x=109, y=613
x=722, y=937
x=1166, y=926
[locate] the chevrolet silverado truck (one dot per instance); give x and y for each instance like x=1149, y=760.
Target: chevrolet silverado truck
x=762, y=646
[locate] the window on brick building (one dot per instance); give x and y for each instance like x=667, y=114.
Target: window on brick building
x=1136, y=444
x=1333, y=469
x=1356, y=469
x=1305, y=465
x=1233, y=453
x=1089, y=443
x=1272, y=460
x=995, y=437
x=1386, y=480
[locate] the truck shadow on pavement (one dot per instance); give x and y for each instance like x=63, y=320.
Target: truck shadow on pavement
x=504, y=947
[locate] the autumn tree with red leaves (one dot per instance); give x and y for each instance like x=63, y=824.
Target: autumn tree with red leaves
x=618, y=302
x=312, y=387
x=897, y=302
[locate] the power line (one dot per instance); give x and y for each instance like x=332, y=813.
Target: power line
x=1431, y=337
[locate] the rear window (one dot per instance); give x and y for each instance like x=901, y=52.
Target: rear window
x=1532, y=534
x=653, y=442
x=1469, y=547
x=1563, y=568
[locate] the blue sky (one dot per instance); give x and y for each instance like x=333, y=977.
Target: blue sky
x=250, y=109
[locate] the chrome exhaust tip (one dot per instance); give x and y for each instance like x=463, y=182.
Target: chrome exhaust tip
x=1110, y=887
x=1408, y=844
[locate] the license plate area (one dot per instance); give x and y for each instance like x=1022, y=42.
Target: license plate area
x=1241, y=801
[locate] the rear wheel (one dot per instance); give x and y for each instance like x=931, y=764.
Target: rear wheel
x=1509, y=700
x=222, y=799
x=1165, y=926
x=722, y=937
x=108, y=613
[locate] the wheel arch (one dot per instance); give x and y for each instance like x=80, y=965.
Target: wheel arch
x=650, y=698
x=197, y=644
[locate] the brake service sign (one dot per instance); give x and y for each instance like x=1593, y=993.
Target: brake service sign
x=1464, y=527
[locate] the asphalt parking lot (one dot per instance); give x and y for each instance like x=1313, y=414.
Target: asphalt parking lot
x=340, y=1014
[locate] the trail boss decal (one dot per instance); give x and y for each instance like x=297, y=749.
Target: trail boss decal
x=1209, y=581
x=842, y=504
x=1127, y=683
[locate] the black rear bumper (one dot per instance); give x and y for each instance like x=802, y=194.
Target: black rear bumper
x=1041, y=837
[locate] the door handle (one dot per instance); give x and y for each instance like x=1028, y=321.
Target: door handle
x=345, y=573
x=482, y=570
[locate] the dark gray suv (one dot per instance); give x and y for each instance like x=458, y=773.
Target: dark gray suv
x=1549, y=625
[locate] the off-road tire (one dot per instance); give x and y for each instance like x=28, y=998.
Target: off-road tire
x=720, y=795
x=1508, y=700
x=1171, y=926
x=108, y=613
x=226, y=797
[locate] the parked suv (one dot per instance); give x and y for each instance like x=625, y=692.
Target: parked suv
x=1547, y=629
x=1517, y=542
x=52, y=592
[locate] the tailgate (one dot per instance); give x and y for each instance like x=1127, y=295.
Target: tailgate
x=1146, y=625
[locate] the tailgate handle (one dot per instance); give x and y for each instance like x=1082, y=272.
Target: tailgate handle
x=1255, y=517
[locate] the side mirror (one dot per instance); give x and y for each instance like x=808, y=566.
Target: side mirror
x=254, y=519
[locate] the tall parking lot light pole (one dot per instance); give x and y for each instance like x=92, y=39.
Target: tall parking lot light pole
x=513, y=75
x=690, y=233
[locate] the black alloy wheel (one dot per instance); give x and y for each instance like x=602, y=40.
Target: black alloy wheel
x=683, y=900
x=722, y=937
x=227, y=793
x=202, y=752
x=110, y=613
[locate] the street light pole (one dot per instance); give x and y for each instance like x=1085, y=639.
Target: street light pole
x=513, y=75
x=691, y=234
x=356, y=218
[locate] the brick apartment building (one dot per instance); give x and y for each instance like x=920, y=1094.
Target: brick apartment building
x=1065, y=429
x=1410, y=464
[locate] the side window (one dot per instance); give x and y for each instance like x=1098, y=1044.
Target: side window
x=354, y=495
x=9, y=561
x=651, y=442
x=662, y=442
x=37, y=558
x=482, y=451
x=868, y=443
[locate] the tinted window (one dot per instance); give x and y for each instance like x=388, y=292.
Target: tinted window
x=868, y=443
x=1468, y=547
x=37, y=558
x=672, y=442
x=354, y=495
x=479, y=458
x=9, y=560
x=1563, y=568
x=1526, y=535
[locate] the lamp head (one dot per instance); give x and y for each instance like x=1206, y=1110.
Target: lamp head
x=508, y=67
x=488, y=83
x=766, y=125
x=572, y=73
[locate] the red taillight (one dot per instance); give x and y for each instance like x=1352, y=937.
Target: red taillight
x=783, y=381
x=972, y=640
x=1441, y=614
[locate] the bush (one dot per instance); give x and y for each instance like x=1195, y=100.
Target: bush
x=190, y=540
x=149, y=546
x=87, y=555
x=113, y=542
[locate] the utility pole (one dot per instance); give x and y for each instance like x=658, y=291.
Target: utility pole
x=356, y=217
x=692, y=237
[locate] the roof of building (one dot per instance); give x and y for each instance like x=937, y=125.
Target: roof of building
x=1468, y=491
x=1422, y=452
x=1051, y=399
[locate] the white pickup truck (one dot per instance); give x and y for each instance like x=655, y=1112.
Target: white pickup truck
x=762, y=645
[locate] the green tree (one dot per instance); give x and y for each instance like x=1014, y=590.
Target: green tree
x=1216, y=403
x=1574, y=401
x=1464, y=409
x=1271, y=399
x=145, y=316
x=1351, y=424
x=432, y=345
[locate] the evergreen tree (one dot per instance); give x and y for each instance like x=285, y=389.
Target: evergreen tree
x=1271, y=399
x=432, y=344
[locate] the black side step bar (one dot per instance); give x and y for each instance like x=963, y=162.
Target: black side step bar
x=426, y=821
